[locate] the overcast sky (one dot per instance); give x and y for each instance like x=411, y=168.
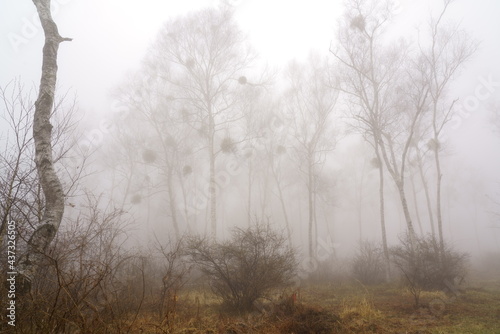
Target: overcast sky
x=111, y=37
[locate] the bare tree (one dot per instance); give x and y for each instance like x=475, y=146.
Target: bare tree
x=394, y=143
x=203, y=56
x=449, y=48
x=369, y=75
x=163, y=144
x=273, y=148
x=247, y=135
x=42, y=135
x=121, y=157
x=17, y=168
x=310, y=108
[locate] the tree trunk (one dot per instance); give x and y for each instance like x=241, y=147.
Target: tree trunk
x=427, y=197
x=406, y=211
x=310, y=207
x=415, y=204
x=249, y=216
x=435, y=148
x=315, y=217
x=212, y=183
x=399, y=178
x=283, y=205
x=265, y=192
x=186, y=210
x=359, y=195
x=438, y=197
x=382, y=215
x=172, y=202
x=42, y=132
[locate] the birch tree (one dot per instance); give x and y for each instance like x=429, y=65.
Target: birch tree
x=447, y=50
x=42, y=135
x=376, y=82
x=358, y=52
x=203, y=55
x=310, y=108
x=164, y=141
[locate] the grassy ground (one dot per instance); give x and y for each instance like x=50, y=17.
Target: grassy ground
x=391, y=309
x=340, y=308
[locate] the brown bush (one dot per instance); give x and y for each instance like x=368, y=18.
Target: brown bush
x=369, y=265
x=426, y=267
x=254, y=262
x=73, y=288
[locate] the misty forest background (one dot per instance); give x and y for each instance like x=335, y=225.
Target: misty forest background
x=359, y=142
x=205, y=137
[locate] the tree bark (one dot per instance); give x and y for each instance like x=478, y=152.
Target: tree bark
x=249, y=199
x=172, y=201
x=283, y=205
x=212, y=182
x=382, y=214
x=310, y=208
x=415, y=204
x=398, y=175
x=186, y=210
x=439, y=215
x=406, y=210
x=42, y=132
x=427, y=196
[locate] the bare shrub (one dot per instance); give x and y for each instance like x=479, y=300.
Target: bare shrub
x=425, y=266
x=174, y=274
x=247, y=267
x=73, y=291
x=368, y=265
x=21, y=198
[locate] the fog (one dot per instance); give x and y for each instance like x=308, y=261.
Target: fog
x=142, y=155
x=237, y=166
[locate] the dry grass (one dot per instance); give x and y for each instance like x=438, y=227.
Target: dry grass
x=326, y=308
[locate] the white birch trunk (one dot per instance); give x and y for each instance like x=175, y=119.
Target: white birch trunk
x=42, y=131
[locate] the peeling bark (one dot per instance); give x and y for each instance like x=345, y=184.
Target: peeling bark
x=42, y=132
